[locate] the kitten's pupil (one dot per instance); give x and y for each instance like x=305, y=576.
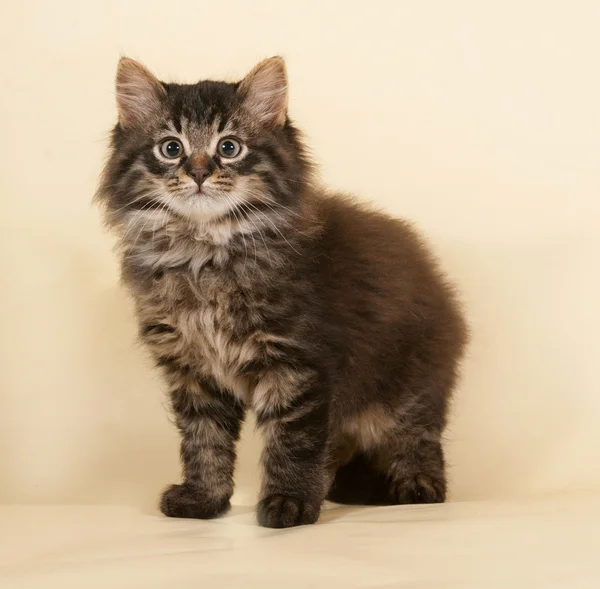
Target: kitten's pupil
x=228, y=148
x=172, y=148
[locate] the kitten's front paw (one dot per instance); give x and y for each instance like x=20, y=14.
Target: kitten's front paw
x=281, y=511
x=188, y=501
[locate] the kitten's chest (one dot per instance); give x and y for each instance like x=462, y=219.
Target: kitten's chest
x=218, y=316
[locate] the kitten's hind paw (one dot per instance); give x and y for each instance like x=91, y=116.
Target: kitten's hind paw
x=188, y=501
x=420, y=489
x=281, y=511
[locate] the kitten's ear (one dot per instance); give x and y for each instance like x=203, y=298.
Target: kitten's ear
x=140, y=95
x=264, y=91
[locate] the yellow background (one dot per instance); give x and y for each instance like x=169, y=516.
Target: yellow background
x=478, y=120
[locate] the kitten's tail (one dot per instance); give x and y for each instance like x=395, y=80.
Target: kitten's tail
x=358, y=483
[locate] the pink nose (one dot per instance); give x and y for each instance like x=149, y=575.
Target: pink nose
x=199, y=175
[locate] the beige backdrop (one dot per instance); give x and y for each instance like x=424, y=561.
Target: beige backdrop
x=478, y=120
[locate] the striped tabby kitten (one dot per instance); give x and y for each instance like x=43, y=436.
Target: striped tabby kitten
x=255, y=289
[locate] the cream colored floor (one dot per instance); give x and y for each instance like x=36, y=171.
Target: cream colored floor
x=546, y=543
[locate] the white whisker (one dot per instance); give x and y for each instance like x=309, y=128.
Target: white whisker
x=274, y=225
x=239, y=221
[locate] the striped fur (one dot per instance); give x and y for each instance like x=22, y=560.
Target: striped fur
x=260, y=291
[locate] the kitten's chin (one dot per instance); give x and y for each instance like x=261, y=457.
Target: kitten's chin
x=201, y=206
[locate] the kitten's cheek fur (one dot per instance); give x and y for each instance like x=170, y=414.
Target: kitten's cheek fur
x=281, y=511
x=187, y=501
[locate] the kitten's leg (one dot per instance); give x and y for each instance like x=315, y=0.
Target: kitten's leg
x=292, y=408
x=209, y=421
x=415, y=468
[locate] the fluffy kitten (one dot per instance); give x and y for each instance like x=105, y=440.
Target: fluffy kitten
x=255, y=289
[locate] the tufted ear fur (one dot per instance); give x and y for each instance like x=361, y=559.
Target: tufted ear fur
x=139, y=94
x=265, y=92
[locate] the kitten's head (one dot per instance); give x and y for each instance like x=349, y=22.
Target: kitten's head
x=203, y=151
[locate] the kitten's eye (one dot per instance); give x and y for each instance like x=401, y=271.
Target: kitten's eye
x=171, y=148
x=229, y=147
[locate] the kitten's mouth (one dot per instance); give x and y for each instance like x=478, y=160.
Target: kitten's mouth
x=204, y=190
x=195, y=191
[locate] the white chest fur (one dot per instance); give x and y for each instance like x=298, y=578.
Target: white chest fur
x=208, y=292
